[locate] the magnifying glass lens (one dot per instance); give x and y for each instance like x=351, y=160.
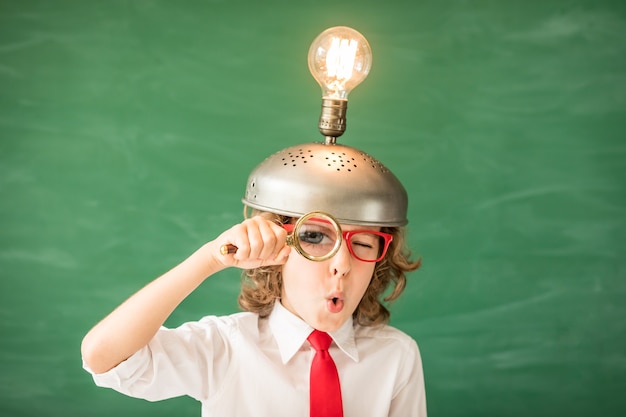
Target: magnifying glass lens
x=317, y=239
x=317, y=236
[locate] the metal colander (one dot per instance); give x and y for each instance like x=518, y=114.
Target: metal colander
x=349, y=184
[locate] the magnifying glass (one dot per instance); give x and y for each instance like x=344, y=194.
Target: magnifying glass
x=316, y=236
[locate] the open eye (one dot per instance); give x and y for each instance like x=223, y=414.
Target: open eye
x=311, y=236
x=314, y=232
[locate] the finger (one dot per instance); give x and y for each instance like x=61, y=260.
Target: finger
x=270, y=235
x=282, y=255
x=280, y=259
x=248, y=241
x=281, y=242
x=259, y=239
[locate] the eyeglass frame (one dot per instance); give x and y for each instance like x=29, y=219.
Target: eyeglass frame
x=387, y=238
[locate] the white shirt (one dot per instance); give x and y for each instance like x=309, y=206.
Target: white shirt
x=240, y=365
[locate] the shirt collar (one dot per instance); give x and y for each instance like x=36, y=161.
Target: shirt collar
x=291, y=332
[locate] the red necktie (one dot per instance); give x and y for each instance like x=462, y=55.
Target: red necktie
x=325, y=388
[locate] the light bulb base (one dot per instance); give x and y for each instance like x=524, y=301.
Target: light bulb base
x=332, y=121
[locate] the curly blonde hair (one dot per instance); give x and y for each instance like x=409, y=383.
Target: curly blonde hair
x=261, y=287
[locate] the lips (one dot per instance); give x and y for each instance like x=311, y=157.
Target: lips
x=334, y=303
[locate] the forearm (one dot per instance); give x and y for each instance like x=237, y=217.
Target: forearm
x=133, y=324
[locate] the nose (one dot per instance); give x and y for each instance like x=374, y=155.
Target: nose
x=341, y=263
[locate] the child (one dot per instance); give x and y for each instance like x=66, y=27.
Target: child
x=258, y=362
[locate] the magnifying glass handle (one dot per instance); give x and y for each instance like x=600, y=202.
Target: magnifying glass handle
x=228, y=249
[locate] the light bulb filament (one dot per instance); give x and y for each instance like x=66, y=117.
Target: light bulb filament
x=340, y=58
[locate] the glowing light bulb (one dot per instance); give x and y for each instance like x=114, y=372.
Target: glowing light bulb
x=339, y=59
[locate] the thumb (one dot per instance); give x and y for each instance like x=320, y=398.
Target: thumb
x=280, y=258
x=283, y=255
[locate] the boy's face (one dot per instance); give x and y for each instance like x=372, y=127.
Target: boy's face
x=325, y=294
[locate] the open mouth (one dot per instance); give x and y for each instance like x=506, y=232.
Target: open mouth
x=334, y=304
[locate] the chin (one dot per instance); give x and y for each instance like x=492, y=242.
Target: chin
x=328, y=325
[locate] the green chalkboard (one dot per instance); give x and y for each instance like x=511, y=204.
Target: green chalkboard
x=128, y=129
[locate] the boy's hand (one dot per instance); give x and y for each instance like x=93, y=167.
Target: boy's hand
x=259, y=242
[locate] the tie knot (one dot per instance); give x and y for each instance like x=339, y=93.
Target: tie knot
x=319, y=340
